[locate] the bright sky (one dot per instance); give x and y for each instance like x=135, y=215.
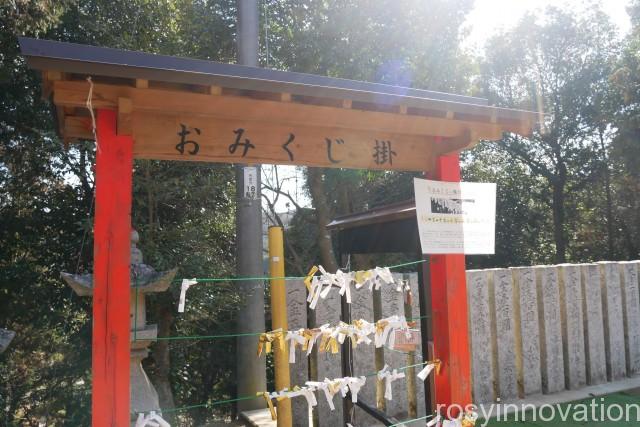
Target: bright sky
x=491, y=15
x=487, y=17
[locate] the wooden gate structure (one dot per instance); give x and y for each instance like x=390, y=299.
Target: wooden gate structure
x=168, y=108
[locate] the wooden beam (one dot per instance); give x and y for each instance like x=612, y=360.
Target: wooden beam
x=111, y=292
x=54, y=75
x=76, y=127
x=285, y=97
x=449, y=313
x=228, y=107
x=142, y=84
x=48, y=77
x=177, y=137
x=125, y=108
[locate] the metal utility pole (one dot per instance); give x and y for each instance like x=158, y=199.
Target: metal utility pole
x=250, y=370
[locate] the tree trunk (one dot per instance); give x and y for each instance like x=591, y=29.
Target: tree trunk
x=319, y=198
x=609, y=198
x=558, y=208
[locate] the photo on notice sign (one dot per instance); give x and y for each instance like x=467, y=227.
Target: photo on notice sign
x=448, y=206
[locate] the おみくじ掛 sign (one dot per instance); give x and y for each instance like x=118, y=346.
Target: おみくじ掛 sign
x=456, y=217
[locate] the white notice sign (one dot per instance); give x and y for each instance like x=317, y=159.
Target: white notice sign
x=456, y=217
x=250, y=183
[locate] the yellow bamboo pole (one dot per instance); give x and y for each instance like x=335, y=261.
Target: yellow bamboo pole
x=279, y=320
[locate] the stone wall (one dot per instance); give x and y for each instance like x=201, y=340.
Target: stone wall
x=546, y=329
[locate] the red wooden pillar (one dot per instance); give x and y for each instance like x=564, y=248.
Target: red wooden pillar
x=111, y=253
x=449, y=310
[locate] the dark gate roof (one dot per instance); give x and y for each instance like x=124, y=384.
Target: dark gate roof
x=78, y=58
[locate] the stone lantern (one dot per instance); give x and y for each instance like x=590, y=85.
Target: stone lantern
x=6, y=336
x=144, y=280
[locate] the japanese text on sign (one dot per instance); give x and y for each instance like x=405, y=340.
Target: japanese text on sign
x=250, y=183
x=241, y=144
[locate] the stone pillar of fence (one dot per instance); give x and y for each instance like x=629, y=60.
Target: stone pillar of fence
x=595, y=357
x=527, y=331
x=572, y=326
x=613, y=320
x=415, y=310
x=480, y=315
x=552, y=359
x=631, y=311
x=504, y=338
x=364, y=356
x=328, y=365
x=393, y=304
x=299, y=371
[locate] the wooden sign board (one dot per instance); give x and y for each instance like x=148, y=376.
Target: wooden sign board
x=178, y=137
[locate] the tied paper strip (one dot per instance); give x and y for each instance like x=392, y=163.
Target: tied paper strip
x=186, y=284
x=469, y=420
x=295, y=338
x=304, y=391
x=343, y=280
x=151, y=420
x=267, y=399
x=435, y=420
x=389, y=377
x=424, y=373
x=320, y=286
x=265, y=340
x=315, y=334
x=324, y=386
x=381, y=276
x=355, y=384
x=316, y=292
x=309, y=278
x=385, y=330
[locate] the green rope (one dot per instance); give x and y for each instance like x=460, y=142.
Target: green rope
x=203, y=337
x=411, y=421
x=404, y=368
x=418, y=318
x=267, y=278
x=391, y=267
x=237, y=279
x=206, y=405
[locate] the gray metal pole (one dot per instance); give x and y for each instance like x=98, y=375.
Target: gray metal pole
x=251, y=370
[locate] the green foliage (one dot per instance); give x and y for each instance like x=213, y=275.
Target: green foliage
x=522, y=229
x=184, y=213
x=558, y=64
x=408, y=43
x=626, y=149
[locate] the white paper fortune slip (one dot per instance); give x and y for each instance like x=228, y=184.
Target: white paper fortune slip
x=186, y=284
